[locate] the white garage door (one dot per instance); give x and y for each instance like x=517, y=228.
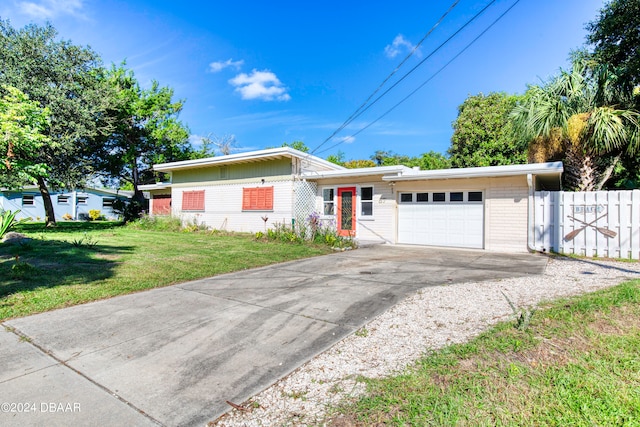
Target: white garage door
x=454, y=219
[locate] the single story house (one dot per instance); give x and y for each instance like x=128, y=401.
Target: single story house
x=485, y=207
x=67, y=204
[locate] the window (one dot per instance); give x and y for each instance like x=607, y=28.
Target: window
x=28, y=200
x=328, y=206
x=439, y=197
x=224, y=172
x=457, y=196
x=366, y=201
x=257, y=199
x=475, y=196
x=83, y=200
x=107, y=202
x=63, y=200
x=422, y=197
x=193, y=200
x=406, y=197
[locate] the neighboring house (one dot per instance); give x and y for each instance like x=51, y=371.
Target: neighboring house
x=74, y=204
x=486, y=208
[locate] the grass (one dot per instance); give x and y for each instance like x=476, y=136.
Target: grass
x=577, y=363
x=80, y=262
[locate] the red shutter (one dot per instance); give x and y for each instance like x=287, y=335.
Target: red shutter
x=161, y=204
x=257, y=199
x=268, y=198
x=193, y=200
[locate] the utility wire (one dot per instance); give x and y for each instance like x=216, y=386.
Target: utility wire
x=428, y=80
x=364, y=108
x=415, y=48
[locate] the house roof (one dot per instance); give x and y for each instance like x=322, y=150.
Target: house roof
x=309, y=161
x=403, y=173
x=316, y=168
x=156, y=186
x=345, y=173
x=36, y=189
x=553, y=168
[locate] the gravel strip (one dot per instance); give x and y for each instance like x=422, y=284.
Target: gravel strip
x=432, y=318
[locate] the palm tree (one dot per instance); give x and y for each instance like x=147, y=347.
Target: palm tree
x=580, y=114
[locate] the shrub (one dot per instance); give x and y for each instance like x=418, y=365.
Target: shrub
x=95, y=215
x=313, y=229
x=193, y=226
x=129, y=210
x=156, y=223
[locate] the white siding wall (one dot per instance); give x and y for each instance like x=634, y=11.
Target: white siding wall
x=506, y=215
x=223, y=206
x=381, y=226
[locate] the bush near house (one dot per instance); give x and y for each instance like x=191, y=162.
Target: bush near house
x=95, y=215
x=313, y=229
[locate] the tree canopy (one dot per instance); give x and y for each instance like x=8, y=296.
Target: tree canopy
x=615, y=35
x=22, y=126
x=145, y=130
x=65, y=79
x=579, y=111
x=483, y=134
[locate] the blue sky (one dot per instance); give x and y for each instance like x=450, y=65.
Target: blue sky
x=283, y=71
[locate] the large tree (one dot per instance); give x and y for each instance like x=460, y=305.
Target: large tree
x=615, y=35
x=145, y=130
x=578, y=114
x=483, y=133
x=64, y=78
x=22, y=123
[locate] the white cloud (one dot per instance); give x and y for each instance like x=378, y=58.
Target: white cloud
x=47, y=9
x=262, y=85
x=218, y=66
x=348, y=139
x=399, y=45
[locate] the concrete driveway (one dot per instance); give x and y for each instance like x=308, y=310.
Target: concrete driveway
x=174, y=356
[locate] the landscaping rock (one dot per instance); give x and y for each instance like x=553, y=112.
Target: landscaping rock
x=15, y=238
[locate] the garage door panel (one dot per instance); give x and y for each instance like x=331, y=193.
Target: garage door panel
x=445, y=224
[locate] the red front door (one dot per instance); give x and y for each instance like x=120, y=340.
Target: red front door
x=347, y=211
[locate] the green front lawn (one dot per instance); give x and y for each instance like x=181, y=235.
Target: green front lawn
x=79, y=262
x=576, y=364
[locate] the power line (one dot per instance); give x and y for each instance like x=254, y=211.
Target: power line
x=415, y=48
x=428, y=80
x=362, y=109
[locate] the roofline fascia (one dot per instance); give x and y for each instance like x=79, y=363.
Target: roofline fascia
x=552, y=168
x=239, y=157
x=379, y=170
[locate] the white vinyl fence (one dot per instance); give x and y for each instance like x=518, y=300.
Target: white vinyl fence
x=598, y=223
